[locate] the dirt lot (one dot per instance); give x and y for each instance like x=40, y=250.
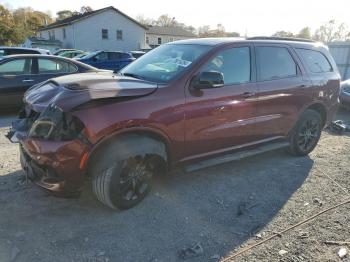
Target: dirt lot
x=224, y=209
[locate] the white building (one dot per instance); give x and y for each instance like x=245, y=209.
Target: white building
x=157, y=35
x=105, y=29
x=37, y=42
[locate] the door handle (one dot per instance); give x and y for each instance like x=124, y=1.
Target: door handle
x=221, y=109
x=27, y=80
x=248, y=94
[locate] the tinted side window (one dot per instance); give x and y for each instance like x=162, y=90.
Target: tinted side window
x=2, y=53
x=274, y=63
x=48, y=66
x=16, y=67
x=125, y=56
x=20, y=51
x=233, y=63
x=113, y=56
x=101, y=56
x=315, y=61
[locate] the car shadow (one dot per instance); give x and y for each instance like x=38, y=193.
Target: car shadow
x=219, y=207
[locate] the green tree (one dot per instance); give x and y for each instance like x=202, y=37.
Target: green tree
x=8, y=33
x=283, y=34
x=305, y=33
x=64, y=14
x=28, y=22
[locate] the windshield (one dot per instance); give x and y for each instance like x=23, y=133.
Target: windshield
x=165, y=62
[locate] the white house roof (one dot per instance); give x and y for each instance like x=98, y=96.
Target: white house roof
x=76, y=18
x=169, y=30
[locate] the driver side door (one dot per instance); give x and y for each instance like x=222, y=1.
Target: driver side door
x=222, y=119
x=100, y=60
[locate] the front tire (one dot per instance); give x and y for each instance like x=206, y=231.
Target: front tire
x=305, y=135
x=122, y=184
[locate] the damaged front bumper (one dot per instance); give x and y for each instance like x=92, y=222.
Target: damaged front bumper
x=54, y=165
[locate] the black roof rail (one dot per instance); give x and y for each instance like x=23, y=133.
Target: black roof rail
x=295, y=39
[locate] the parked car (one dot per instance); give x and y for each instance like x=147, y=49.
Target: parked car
x=73, y=54
x=19, y=72
x=193, y=103
x=137, y=54
x=108, y=60
x=60, y=51
x=81, y=55
x=344, y=96
x=5, y=51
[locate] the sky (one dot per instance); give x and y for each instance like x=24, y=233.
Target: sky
x=251, y=17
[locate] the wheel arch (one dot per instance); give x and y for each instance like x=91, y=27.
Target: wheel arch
x=138, y=141
x=321, y=109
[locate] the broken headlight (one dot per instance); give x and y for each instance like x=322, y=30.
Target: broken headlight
x=54, y=124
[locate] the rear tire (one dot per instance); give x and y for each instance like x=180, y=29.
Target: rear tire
x=306, y=133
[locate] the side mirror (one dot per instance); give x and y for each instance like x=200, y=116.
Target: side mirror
x=207, y=80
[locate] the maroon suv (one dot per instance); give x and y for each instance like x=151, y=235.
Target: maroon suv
x=194, y=102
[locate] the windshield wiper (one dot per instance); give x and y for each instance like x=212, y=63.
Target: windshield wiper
x=133, y=75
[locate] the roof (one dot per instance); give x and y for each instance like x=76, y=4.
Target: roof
x=227, y=40
x=37, y=55
x=23, y=48
x=49, y=56
x=169, y=30
x=40, y=40
x=76, y=18
x=339, y=43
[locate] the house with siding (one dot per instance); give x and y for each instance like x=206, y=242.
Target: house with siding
x=105, y=29
x=37, y=42
x=340, y=51
x=157, y=35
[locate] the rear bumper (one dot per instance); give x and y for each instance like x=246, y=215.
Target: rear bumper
x=54, y=166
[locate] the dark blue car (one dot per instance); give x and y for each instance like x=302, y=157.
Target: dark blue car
x=108, y=60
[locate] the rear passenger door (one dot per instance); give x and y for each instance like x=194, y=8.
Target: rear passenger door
x=100, y=61
x=46, y=68
x=16, y=76
x=280, y=83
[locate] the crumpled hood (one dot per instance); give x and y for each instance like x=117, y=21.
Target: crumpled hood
x=70, y=91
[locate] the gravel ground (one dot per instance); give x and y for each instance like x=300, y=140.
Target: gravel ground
x=224, y=209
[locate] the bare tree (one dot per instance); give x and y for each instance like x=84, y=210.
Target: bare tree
x=166, y=21
x=145, y=21
x=332, y=31
x=204, y=31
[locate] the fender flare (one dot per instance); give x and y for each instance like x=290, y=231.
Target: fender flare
x=125, y=146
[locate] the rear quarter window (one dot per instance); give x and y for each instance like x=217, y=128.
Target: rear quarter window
x=315, y=61
x=48, y=66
